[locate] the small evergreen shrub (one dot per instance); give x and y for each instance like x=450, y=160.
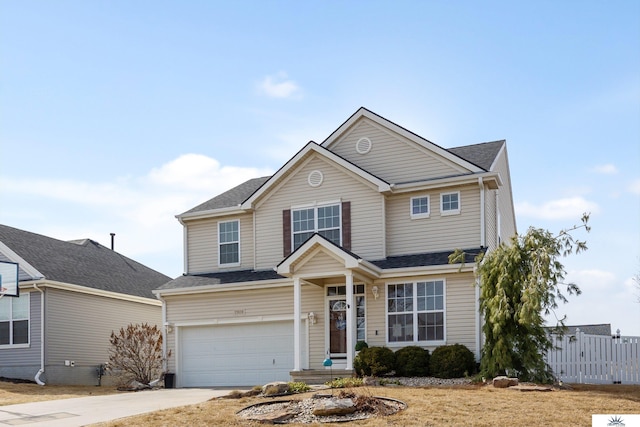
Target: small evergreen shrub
x=374, y=361
x=452, y=361
x=412, y=361
x=344, y=382
x=298, y=387
x=361, y=344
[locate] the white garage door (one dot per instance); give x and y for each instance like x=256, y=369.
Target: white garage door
x=235, y=355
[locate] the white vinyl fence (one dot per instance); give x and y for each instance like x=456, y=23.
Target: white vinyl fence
x=596, y=359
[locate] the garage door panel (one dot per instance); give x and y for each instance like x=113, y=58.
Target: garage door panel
x=236, y=355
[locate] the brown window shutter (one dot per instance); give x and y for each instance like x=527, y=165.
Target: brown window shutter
x=286, y=232
x=346, y=225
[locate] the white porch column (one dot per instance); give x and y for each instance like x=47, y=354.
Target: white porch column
x=351, y=319
x=297, y=357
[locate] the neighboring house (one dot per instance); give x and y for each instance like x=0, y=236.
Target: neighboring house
x=72, y=295
x=348, y=241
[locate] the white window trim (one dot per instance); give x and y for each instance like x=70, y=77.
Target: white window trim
x=26, y=295
x=396, y=344
x=450, y=211
x=315, y=207
x=420, y=215
x=231, y=264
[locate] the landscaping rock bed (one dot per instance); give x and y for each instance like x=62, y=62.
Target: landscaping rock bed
x=322, y=408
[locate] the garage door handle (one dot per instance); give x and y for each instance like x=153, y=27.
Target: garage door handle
x=274, y=361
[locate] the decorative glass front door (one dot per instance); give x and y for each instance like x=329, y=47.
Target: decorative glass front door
x=337, y=327
x=337, y=319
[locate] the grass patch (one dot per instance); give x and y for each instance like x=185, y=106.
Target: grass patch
x=344, y=382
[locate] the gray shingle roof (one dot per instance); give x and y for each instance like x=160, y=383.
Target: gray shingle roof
x=221, y=278
x=424, y=259
x=481, y=155
x=232, y=197
x=82, y=262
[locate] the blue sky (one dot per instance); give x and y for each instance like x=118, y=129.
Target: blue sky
x=117, y=115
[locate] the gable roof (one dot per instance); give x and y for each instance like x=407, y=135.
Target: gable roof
x=483, y=154
x=230, y=198
x=80, y=262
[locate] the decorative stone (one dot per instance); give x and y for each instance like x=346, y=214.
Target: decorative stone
x=274, y=417
x=275, y=388
x=504, y=382
x=334, y=407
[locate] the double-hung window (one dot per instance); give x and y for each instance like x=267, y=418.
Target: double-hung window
x=450, y=203
x=324, y=220
x=229, y=243
x=415, y=312
x=420, y=207
x=14, y=320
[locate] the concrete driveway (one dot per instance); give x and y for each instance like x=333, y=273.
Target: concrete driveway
x=82, y=411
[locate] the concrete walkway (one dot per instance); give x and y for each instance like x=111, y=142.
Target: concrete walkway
x=83, y=411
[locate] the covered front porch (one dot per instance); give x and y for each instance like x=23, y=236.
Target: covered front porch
x=331, y=288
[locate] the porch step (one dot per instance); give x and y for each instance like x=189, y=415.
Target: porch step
x=320, y=376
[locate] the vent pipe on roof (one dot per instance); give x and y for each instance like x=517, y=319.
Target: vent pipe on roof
x=113, y=235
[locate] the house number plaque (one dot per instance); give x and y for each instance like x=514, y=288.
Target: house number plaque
x=240, y=312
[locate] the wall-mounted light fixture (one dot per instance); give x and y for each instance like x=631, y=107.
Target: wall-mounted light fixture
x=312, y=317
x=374, y=290
x=169, y=327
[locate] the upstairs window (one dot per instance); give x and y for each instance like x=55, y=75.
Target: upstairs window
x=229, y=243
x=324, y=220
x=14, y=320
x=420, y=207
x=450, y=203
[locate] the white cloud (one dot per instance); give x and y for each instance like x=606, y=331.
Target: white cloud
x=140, y=210
x=634, y=187
x=279, y=86
x=606, y=169
x=568, y=208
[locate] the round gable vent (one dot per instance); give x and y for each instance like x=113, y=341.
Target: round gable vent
x=363, y=146
x=315, y=178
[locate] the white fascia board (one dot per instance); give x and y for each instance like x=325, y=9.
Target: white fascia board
x=86, y=290
x=490, y=178
x=500, y=153
x=240, y=286
x=363, y=112
x=393, y=273
x=24, y=265
x=211, y=213
x=293, y=162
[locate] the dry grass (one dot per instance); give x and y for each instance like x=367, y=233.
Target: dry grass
x=455, y=406
x=11, y=394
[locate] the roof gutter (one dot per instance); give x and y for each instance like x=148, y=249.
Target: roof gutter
x=86, y=290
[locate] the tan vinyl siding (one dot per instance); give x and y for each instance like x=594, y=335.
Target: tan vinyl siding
x=78, y=325
x=392, y=157
x=376, y=316
x=202, y=244
x=491, y=219
x=313, y=301
x=436, y=233
x=320, y=264
x=505, y=199
x=338, y=185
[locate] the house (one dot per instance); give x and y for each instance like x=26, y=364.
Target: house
x=72, y=295
x=348, y=241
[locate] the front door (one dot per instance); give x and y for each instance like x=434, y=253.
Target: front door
x=336, y=327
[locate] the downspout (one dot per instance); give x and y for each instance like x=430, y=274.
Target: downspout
x=41, y=371
x=483, y=231
x=165, y=326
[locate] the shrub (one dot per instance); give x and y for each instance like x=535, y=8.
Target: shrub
x=136, y=353
x=298, y=387
x=344, y=382
x=361, y=344
x=412, y=361
x=374, y=361
x=452, y=361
